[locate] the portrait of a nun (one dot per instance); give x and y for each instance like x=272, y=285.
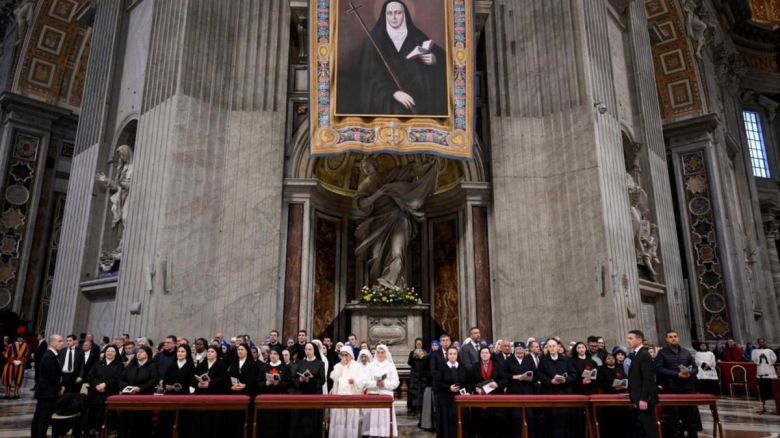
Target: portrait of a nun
x=371, y=88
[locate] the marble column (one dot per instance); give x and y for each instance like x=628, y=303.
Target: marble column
x=655, y=169
x=771, y=234
x=67, y=309
x=563, y=238
x=207, y=190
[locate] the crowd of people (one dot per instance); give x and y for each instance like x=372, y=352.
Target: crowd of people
x=79, y=374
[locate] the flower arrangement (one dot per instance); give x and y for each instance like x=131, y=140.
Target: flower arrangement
x=388, y=296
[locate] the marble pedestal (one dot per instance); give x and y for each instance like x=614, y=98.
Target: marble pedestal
x=398, y=326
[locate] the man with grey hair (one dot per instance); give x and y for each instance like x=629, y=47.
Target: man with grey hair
x=49, y=387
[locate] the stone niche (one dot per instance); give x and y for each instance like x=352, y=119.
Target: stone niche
x=397, y=326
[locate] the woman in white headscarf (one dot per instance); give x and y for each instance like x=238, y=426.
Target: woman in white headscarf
x=364, y=357
x=349, y=378
x=322, y=353
x=383, y=380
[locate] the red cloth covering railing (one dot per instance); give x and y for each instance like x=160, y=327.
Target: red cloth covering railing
x=524, y=402
x=177, y=403
x=303, y=401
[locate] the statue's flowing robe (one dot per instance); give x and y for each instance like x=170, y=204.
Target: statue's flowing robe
x=392, y=213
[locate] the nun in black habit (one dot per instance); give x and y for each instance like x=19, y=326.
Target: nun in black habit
x=308, y=376
x=418, y=83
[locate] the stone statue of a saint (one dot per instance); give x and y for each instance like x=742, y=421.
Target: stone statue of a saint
x=645, y=232
x=119, y=188
x=695, y=25
x=388, y=204
x=24, y=18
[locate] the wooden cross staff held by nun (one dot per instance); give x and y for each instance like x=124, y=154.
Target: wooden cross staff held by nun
x=353, y=9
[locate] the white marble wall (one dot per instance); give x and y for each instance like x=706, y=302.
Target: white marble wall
x=206, y=200
x=201, y=254
x=564, y=259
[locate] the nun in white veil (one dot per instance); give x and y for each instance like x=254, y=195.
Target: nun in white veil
x=349, y=378
x=383, y=380
x=364, y=358
x=322, y=353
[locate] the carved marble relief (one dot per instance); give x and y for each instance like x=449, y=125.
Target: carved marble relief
x=390, y=330
x=118, y=188
x=645, y=231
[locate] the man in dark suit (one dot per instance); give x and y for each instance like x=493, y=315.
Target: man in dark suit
x=89, y=358
x=71, y=361
x=504, y=352
x=40, y=350
x=641, y=385
x=440, y=358
x=469, y=351
x=49, y=387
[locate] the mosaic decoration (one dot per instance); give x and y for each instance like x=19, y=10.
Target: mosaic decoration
x=15, y=207
x=448, y=133
x=53, y=63
x=766, y=12
x=51, y=262
x=704, y=241
x=677, y=74
x=761, y=61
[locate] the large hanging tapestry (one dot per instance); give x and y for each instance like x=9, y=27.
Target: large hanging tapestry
x=392, y=76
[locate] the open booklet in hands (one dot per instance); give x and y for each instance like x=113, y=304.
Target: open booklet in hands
x=423, y=49
x=174, y=387
x=589, y=374
x=485, y=386
x=620, y=383
x=202, y=378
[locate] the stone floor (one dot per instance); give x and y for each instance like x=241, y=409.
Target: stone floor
x=738, y=416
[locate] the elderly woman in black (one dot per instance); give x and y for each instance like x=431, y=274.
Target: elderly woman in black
x=103, y=382
x=557, y=376
x=140, y=377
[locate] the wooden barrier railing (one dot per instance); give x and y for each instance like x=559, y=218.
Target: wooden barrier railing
x=524, y=402
x=177, y=403
x=691, y=400
x=321, y=402
x=590, y=406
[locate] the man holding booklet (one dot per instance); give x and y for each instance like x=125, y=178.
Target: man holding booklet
x=676, y=373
